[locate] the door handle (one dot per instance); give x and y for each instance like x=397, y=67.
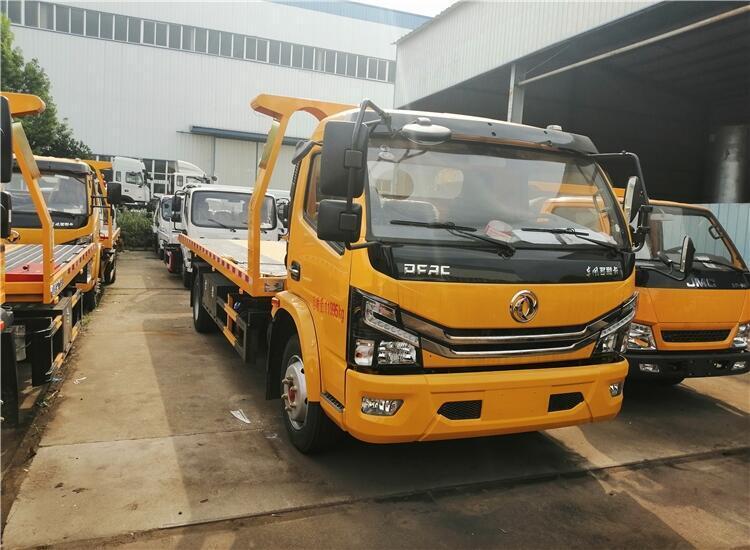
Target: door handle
x=295, y=271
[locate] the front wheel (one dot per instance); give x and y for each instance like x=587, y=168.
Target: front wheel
x=201, y=319
x=308, y=427
x=187, y=276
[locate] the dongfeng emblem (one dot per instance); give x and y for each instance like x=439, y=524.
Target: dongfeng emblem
x=523, y=306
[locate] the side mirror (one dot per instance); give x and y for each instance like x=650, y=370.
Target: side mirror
x=176, y=216
x=338, y=223
x=341, y=159
x=687, y=255
x=5, y=211
x=282, y=212
x=637, y=210
x=6, y=141
x=114, y=192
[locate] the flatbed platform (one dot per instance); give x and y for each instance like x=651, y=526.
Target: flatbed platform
x=229, y=256
x=24, y=269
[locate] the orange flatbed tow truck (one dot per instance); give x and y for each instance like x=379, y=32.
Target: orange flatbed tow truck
x=420, y=294
x=41, y=306
x=109, y=232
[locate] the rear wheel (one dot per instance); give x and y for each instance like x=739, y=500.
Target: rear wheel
x=201, y=319
x=308, y=427
x=110, y=273
x=91, y=298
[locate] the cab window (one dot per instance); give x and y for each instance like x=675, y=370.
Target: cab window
x=312, y=194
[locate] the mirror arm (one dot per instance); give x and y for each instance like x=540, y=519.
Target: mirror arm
x=366, y=244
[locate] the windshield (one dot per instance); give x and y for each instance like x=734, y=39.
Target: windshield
x=670, y=224
x=166, y=209
x=134, y=178
x=63, y=193
x=228, y=210
x=498, y=191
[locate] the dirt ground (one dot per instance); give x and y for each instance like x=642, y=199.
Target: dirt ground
x=142, y=451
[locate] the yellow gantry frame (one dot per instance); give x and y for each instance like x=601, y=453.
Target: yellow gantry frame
x=97, y=166
x=281, y=109
x=22, y=105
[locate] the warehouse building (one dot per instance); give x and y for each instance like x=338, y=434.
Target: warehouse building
x=667, y=80
x=164, y=81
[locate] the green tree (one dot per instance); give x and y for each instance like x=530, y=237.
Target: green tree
x=47, y=134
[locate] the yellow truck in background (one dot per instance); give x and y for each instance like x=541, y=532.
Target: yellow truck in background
x=693, y=320
x=420, y=293
x=41, y=277
x=109, y=232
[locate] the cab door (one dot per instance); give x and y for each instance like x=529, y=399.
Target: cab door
x=319, y=274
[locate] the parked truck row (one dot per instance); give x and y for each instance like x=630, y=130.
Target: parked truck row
x=428, y=276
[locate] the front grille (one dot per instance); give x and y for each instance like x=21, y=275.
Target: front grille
x=694, y=335
x=564, y=401
x=461, y=410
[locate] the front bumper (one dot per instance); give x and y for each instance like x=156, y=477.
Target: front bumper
x=687, y=365
x=511, y=401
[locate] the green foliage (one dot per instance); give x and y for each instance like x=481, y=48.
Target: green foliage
x=135, y=227
x=47, y=135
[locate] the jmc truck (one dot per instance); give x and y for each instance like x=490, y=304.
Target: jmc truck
x=421, y=293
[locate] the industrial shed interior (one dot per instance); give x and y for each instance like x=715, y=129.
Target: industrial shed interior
x=670, y=81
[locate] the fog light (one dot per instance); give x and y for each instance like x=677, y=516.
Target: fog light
x=396, y=353
x=615, y=389
x=380, y=407
x=739, y=365
x=648, y=367
x=363, y=352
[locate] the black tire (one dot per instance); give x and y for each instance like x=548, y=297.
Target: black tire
x=187, y=277
x=160, y=253
x=91, y=299
x=318, y=432
x=110, y=273
x=201, y=319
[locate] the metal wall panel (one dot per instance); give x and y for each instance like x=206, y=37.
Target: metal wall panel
x=475, y=37
x=735, y=218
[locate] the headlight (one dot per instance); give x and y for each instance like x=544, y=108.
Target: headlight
x=612, y=337
x=641, y=338
x=742, y=338
x=377, y=338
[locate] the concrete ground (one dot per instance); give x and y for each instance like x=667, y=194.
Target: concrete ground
x=143, y=451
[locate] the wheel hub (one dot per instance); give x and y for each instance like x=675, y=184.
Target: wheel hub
x=294, y=392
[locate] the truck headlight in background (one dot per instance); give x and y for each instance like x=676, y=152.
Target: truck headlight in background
x=641, y=338
x=377, y=336
x=742, y=338
x=612, y=338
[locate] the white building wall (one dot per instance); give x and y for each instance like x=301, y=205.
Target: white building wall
x=474, y=37
x=141, y=101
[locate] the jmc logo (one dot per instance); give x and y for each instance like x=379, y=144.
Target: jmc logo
x=701, y=282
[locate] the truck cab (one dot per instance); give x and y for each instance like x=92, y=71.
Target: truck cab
x=694, y=321
x=187, y=174
x=70, y=194
x=165, y=230
x=423, y=293
x=215, y=212
x=131, y=174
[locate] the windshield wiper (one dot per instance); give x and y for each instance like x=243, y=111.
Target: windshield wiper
x=470, y=232
x=217, y=222
x=723, y=264
x=575, y=232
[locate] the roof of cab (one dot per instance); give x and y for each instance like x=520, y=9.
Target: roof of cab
x=464, y=126
x=54, y=164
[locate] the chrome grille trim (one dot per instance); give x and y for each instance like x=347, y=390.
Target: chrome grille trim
x=444, y=351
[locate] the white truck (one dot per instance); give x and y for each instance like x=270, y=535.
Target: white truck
x=131, y=174
x=164, y=229
x=215, y=212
